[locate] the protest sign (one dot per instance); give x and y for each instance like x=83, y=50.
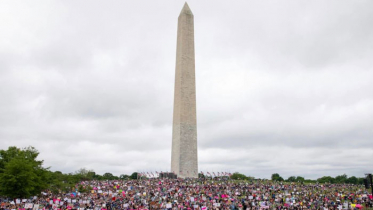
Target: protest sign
x=28, y=205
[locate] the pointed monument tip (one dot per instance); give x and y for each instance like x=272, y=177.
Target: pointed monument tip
x=186, y=10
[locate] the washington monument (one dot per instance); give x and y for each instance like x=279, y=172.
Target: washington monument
x=184, y=159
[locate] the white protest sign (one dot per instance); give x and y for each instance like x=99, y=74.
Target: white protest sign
x=28, y=206
x=169, y=205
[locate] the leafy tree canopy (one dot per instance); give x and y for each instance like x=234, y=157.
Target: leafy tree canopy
x=21, y=175
x=133, y=175
x=237, y=175
x=277, y=177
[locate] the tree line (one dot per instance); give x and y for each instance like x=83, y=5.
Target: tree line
x=340, y=179
x=22, y=175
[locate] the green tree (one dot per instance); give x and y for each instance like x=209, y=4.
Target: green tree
x=291, y=179
x=326, y=179
x=352, y=180
x=84, y=174
x=277, y=177
x=59, y=182
x=237, y=175
x=360, y=180
x=108, y=176
x=299, y=179
x=133, y=175
x=91, y=174
x=21, y=175
x=341, y=178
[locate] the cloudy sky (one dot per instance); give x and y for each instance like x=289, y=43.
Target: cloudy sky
x=282, y=86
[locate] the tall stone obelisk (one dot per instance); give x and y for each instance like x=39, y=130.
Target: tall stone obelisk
x=184, y=158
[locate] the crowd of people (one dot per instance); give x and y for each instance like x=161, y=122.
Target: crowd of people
x=197, y=194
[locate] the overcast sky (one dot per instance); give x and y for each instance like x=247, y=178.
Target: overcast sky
x=282, y=86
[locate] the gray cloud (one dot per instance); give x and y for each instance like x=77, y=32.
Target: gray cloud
x=281, y=86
